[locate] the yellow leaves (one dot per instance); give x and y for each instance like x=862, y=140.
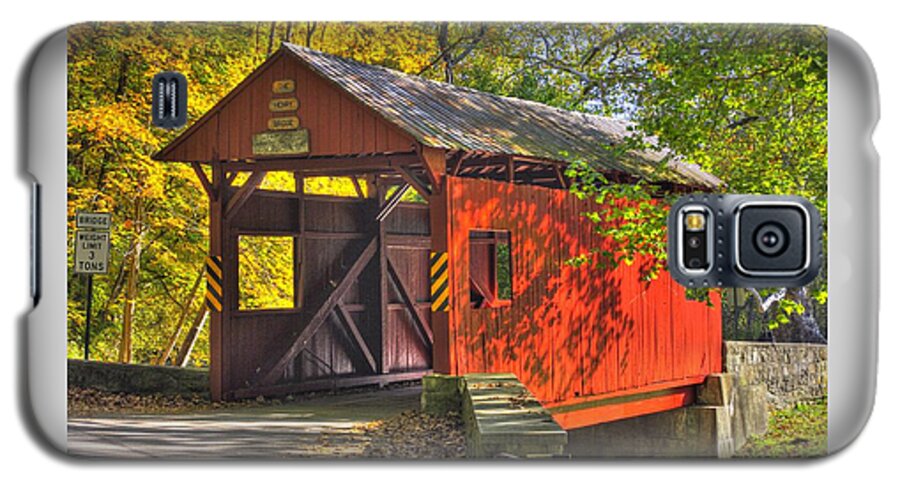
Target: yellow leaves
x=403, y=46
x=108, y=124
x=266, y=273
x=660, y=69
x=278, y=181
x=330, y=186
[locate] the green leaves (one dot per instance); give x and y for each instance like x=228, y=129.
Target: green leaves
x=632, y=218
x=747, y=104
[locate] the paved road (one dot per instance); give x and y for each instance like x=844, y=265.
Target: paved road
x=328, y=426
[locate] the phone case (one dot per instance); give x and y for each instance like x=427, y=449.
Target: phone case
x=440, y=240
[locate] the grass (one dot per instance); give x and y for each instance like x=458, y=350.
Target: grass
x=800, y=431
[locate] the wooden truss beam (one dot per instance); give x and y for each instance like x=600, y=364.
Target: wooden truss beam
x=243, y=194
x=207, y=185
x=392, y=202
x=348, y=322
x=419, y=323
x=459, y=160
x=357, y=187
x=412, y=179
x=323, y=165
x=561, y=177
x=434, y=161
x=300, y=342
x=327, y=383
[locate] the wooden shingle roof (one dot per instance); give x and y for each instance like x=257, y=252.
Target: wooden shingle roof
x=447, y=116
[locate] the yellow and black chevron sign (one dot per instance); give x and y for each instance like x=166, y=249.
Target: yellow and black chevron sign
x=440, y=285
x=214, y=283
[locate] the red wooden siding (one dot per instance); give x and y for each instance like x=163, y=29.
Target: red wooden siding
x=573, y=335
x=337, y=123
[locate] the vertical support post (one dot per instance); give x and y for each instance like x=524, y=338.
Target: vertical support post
x=378, y=191
x=371, y=181
x=299, y=242
x=441, y=322
x=217, y=319
x=87, y=321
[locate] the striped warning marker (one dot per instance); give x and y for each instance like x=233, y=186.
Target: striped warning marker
x=214, y=283
x=440, y=285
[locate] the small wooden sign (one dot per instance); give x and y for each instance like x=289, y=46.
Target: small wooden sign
x=284, y=104
x=285, y=142
x=284, y=123
x=283, y=86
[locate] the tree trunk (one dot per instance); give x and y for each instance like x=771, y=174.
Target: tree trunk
x=134, y=268
x=446, y=55
x=256, y=39
x=185, y=308
x=310, y=30
x=188, y=345
x=802, y=327
x=271, y=39
x=289, y=32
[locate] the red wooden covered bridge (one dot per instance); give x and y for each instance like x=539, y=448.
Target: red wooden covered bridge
x=476, y=280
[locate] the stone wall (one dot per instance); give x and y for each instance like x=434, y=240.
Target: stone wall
x=139, y=379
x=791, y=372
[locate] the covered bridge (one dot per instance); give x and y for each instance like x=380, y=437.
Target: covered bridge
x=475, y=280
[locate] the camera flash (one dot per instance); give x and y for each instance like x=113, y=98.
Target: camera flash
x=694, y=221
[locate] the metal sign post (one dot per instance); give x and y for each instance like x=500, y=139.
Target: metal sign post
x=91, y=257
x=87, y=322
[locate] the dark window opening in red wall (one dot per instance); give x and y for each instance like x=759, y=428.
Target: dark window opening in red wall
x=490, y=269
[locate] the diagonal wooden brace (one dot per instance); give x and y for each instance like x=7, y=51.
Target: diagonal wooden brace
x=420, y=325
x=204, y=181
x=243, y=194
x=300, y=342
x=348, y=322
x=412, y=179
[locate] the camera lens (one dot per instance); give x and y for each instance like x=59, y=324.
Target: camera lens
x=694, y=242
x=695, y=263
x=770, y=239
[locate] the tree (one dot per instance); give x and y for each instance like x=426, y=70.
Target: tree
x=159, y=220
x=748, y=104
x=158, y=210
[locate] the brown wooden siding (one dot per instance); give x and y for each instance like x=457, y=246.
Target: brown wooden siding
x=336, y=230
x=337, y=123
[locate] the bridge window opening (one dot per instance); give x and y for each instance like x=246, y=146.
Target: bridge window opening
x=490, y=269
x=265, y=272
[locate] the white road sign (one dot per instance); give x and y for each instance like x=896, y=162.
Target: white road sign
x=91, y=251
x=92, y=220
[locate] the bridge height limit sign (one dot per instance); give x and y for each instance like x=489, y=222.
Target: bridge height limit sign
x=91, y=258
